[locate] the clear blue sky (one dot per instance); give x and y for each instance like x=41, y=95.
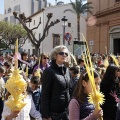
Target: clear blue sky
x=1, y=6
x=50, y=1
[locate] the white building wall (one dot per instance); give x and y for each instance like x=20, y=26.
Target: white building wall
x=36, y=19
x=22, y=5
x=58, y=13
x=36, y=6
x=1, y=17
x=25, y=7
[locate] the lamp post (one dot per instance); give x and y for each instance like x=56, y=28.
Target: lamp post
x=64, y=24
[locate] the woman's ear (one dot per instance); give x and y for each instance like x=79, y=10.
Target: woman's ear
x=84, y=83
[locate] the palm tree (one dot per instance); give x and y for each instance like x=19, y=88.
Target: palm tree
x=79, y=8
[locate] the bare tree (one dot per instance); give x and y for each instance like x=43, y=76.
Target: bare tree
x=36, y=42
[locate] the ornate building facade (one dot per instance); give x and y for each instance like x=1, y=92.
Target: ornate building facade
x=106, y=32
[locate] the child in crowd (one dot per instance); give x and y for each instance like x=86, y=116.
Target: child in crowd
x=7, y=67
x=36, y=92
x=2, y=90
x=81, y=65
x=74, y=72
x=79, y=107
x=26, y=111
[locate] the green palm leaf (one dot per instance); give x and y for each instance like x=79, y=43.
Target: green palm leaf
x=79, y=8
x=73, y=5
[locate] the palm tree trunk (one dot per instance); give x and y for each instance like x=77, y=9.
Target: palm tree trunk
x=78, y=27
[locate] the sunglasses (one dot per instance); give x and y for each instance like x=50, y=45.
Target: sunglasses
x=63, y=53
x=46, y=58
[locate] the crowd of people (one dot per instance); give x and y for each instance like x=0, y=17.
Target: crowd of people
x=61, y=91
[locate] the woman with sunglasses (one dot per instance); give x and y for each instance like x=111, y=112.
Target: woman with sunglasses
x=55, y=86
x=43, y=62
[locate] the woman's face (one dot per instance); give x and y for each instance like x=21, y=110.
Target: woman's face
x=117, y=73
x=97, y=83
x=45, y=59
x=88, y=88
x=25, y=57
x=62, y=56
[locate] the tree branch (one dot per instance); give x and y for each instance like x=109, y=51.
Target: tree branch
x=47, y=29
x=36, y=42
x=23, y=42
x=36, y=27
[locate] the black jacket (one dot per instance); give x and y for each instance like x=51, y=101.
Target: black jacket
x=110, y=105
x=20, y=67
x=55, y=90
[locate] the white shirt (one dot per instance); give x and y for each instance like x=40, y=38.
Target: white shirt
x=24, y=113
x=2, y=89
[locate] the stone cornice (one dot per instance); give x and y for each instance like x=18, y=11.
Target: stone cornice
x=108, y=21
x=102, y=23
x=108, y=11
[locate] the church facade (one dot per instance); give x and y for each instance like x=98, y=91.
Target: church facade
x=106, y=32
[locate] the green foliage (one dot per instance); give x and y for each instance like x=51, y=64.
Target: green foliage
x=9, y=33
x=79, y=7
x=2, y=45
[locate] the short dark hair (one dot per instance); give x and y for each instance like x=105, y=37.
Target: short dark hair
x=74, y=69
x=1, y=69
x=23, y=54
x=80, y=61
x=35, y=80
x=7, y=64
